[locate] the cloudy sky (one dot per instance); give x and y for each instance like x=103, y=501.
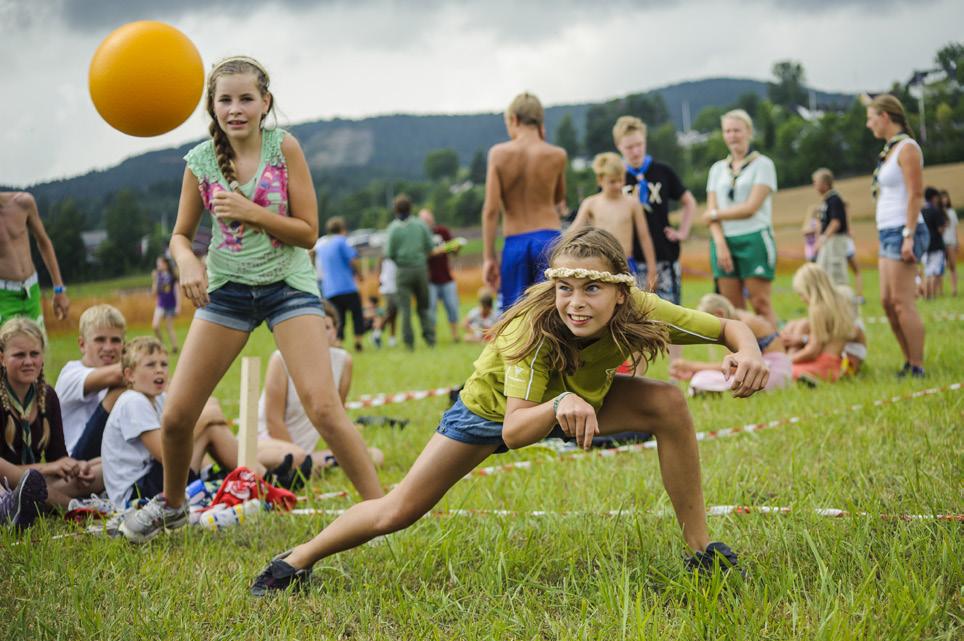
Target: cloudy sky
x=357, y=58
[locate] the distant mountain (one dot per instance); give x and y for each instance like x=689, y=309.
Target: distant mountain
x=395, y=145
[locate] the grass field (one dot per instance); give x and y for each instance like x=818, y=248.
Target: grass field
x=584, y=575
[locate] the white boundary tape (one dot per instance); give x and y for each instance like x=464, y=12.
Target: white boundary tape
x=704, y=436
x=939, y=316
x=713, y=510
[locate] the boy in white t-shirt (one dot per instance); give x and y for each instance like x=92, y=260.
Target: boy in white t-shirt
x=132, y=438
x=89, y=387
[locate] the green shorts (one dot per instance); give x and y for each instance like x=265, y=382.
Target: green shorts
x=24, y=302
x=754, y=256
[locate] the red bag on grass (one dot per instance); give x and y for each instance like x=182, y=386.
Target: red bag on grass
x=243, y=485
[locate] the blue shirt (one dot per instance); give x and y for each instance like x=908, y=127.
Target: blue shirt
x=334, y=256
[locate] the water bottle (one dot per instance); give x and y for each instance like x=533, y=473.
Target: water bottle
x=221, y=517
x=196, y=492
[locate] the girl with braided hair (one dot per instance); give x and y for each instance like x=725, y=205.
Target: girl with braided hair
x=255, y=182
x=551, y=369
x=32, y=432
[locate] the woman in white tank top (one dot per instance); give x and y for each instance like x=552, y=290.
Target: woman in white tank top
x=898, y=189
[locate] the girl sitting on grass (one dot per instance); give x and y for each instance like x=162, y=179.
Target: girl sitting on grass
x=284, y=428
x=818, y=342
x=708, y=377
x=31, y=431
x=552, y=363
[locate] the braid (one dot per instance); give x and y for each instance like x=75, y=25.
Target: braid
x=42, y=409
x=10, y=429
x=224, y=154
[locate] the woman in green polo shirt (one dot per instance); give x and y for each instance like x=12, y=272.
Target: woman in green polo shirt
x=551, y=368
x=739, y=212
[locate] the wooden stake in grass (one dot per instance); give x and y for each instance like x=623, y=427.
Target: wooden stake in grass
x=248, y=421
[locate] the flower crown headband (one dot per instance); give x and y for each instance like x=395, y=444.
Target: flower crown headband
x=591, y=274
x=246, y=59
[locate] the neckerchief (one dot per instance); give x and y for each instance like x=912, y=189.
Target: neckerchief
x=749, y=158
x=881, y=157
x=20, y=411
x=640, y=175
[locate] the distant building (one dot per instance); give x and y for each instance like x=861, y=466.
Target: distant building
x=92, y=242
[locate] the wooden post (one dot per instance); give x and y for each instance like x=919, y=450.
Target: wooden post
x=248, y=420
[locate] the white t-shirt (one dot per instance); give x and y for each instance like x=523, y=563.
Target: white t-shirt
x=300, y=428
x=318, y=243
x=892, y=195
x=387, y=278
x=124, y=456
x=75, y=408
x=759, y=172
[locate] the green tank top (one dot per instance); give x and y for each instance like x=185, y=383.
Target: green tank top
x=244, y=255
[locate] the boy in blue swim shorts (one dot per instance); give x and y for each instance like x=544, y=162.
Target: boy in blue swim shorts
x=526, y=180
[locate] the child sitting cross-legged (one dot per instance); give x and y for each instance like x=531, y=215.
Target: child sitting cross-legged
x=131, y=451
x=480, y=319
x=284, y=428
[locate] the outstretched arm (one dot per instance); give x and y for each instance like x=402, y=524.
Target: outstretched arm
x=490, y=223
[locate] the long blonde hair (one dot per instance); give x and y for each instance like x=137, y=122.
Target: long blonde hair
x=713, y=303
x=830, y=313
x=19, y=326
x=632, y=331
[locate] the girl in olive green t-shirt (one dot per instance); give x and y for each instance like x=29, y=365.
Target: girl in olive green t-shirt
x=552, y=362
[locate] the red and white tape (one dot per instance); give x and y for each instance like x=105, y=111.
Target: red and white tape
x=376, y=400
x=939, y=316
x=713, y=510
x=702, y=436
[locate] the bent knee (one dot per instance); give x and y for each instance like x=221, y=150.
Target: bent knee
x=396, y=514
x=323, y=412
x=672, y=413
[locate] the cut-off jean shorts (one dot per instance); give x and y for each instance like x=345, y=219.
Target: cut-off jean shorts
x=891, y=240
x=461, y=424
x=244, y=307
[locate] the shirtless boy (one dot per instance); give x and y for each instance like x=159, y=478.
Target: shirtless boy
x=526, y=181
x=19, y=290
x=616, y=212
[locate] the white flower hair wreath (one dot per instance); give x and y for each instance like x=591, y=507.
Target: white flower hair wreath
x=591, y=274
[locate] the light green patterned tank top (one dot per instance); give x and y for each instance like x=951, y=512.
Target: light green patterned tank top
x=244, y=255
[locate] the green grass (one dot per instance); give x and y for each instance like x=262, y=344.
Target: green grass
x=571, y=577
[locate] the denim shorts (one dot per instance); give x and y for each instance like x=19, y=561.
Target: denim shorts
x=449, y=294
x=244, y=307
x=460, y=424
x=891, y=240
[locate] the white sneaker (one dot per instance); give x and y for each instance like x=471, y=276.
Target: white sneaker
x=140, y=526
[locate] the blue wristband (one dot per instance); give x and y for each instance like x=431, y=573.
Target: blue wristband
x=59, y=289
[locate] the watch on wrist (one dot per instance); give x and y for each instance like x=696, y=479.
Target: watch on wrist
x=59, y=289
x=907, y=232
x=714, y=215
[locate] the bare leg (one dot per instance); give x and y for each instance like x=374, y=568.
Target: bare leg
x=642, y=405
x=171, y=334
x=732, y=290
x=440, y=466
x=304, y=346
x=156, y=323
x=858, y=279
x=905, y=309
x=759, y=290
x=209, y=350
x=952, y=267
x=272, y=452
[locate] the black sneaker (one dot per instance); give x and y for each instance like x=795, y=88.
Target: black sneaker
x=282, y=475
x=917, y=372
x=904, y=371
x=20, y=506
x=279, y=575
x=716, y=553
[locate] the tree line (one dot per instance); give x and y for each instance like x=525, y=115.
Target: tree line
x=138, y=222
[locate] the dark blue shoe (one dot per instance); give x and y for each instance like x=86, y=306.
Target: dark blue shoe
x=716, y=554
x=279, y=575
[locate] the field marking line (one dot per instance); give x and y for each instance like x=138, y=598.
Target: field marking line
x=713, y=510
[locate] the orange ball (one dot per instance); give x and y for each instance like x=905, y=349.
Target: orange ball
x=146, y=78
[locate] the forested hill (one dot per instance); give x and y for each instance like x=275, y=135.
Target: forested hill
x=396, y=145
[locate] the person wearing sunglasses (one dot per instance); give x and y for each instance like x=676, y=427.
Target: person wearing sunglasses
x=739, y=213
